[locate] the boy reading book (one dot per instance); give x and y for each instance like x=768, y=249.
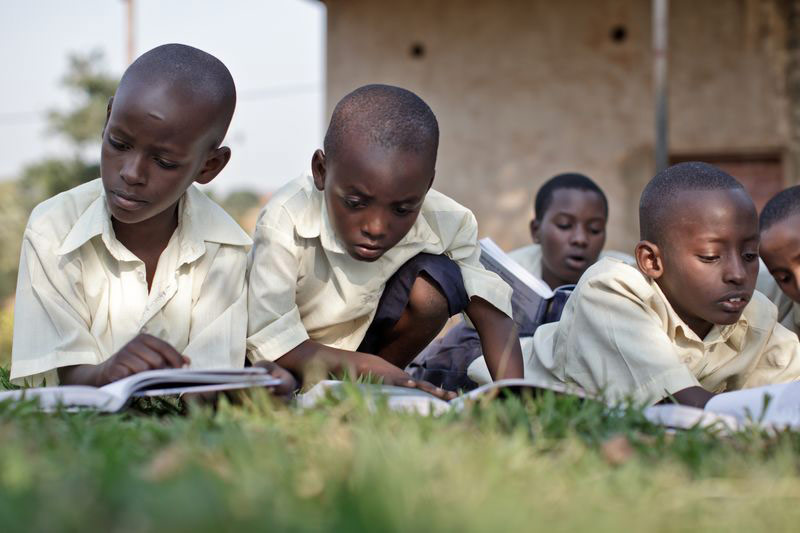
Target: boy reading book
x=568, y=230
x=138, y=269
x=685, y=322
x=357, y=268
x=780, y=250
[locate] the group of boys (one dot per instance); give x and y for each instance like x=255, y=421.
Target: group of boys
x=355, y=269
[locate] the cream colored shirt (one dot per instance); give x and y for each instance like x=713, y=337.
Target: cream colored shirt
x=304, y=285
x=530, y=257
x=81, y=295
x=788, y=310
x=620, y=335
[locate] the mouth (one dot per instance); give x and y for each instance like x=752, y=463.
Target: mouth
x=576, y=262
x=368, y=252
x=734, y=302
x=125, y=201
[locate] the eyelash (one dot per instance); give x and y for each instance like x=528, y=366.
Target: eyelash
x=160, y=162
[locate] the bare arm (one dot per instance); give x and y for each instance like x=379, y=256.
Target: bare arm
x=499, y=339
x=309, y=357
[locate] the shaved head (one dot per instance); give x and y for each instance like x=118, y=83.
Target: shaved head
x=658, y=203
x=389, y=117
x=192, y=75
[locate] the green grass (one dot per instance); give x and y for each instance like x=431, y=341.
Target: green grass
x=550, y=464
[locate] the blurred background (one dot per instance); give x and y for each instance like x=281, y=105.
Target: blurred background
x=523, y=89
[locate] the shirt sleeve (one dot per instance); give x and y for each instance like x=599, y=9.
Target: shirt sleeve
x=478, y=281
x=610, y=340
x=51, y=320
x=219, y=311
x=275, y=326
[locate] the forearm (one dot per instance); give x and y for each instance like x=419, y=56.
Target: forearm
x=81, y=375
x=692, y=396
x=315, y=360
x=499, y=339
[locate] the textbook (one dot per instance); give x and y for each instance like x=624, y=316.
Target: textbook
x=115, y=396
x=528, y=291
x=420, y=402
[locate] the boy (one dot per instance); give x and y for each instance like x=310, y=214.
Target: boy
x=568, y=230
x=138, y=269
x=780, y=251
x=358, y=268
x=686, y=321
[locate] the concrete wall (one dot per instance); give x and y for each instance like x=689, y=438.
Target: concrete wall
x=525, y=89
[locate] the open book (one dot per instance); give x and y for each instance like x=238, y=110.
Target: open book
x=529, y=291
x=115, y=396
x=419, y=401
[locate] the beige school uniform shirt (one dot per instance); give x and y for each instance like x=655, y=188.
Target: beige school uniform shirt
x=788, y=310
x=619, y=334
x=304, y=285
x=81, y=295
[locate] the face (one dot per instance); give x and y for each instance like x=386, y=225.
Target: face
x=373, y=194
x=572, y=233
x=156, y=144
x=708, y=263
x=780, y=250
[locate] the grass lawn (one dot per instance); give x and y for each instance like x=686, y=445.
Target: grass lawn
x=549, y=464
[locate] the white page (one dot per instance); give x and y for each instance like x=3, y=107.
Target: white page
x=747, y=405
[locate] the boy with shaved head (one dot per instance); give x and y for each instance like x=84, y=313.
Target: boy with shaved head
x=357, y=268
x=686, y=322
x=138, y=269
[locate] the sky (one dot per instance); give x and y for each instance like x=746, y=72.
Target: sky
x=275, y=50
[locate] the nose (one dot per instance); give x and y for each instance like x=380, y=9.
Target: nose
x=735, y=271
x=374, y=226
x=132, y=171
x=579, y=237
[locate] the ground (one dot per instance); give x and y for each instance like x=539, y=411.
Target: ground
x=546, y=464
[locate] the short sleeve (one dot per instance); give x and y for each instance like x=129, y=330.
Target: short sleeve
x=611, y=341
x=275, y=326
x=51, y=321
x=478, y=281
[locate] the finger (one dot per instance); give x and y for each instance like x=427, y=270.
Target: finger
x=150, y=357
x=430, y=388
x=166, y=351
x=131, y=361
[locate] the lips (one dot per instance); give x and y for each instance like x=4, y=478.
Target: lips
x=367, y=251
x=734, y=302
x=126, y=201
x=576, y=262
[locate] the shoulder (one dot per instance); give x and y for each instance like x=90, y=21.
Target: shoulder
x=54, y=218
x=294, y=204
x=616, y=276
x=625, y=258
x=760, y=313
x=215, y=224
x=526, y=252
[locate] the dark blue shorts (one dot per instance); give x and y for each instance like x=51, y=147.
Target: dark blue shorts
x=441, y=269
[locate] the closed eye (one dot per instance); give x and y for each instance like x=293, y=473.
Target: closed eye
x=708, y=258
x=163, y=163
x=117, y=145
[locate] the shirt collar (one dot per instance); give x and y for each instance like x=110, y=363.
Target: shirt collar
x=314, y=222
x=732, y=334
x=200, y=221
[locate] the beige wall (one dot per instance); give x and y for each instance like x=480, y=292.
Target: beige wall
x=525, y=89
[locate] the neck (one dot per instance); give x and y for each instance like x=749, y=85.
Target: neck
x=141, y=238
x=551, y=279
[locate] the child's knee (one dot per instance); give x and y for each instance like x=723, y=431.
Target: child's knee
x=426, y=301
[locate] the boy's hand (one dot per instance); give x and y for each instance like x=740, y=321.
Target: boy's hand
x=288, y=382
x=144, y=352
x=393, y=375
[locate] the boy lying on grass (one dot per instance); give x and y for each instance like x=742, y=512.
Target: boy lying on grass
x=686, y=322
x=780, y=250
x=357, y=268
x=138, y=269
x=568, y=232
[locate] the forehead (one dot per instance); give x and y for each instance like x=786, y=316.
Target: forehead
x=389, y=173
x=164, y=112
x=782, y=237
x=711, y=215
x=577, y=202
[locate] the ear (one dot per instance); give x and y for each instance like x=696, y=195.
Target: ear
x=214, y=164
x=108, y=114
x=319, y=169
x=649, y=259
x=535, y=226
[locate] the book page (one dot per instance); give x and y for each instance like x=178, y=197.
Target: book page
x=776, y=406
x=70, y=397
